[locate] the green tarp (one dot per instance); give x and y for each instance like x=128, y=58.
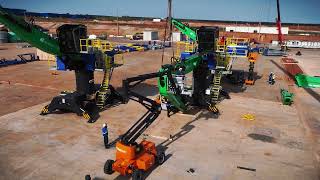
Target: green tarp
x=306, y=81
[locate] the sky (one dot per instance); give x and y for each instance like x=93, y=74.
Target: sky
x=292, y=11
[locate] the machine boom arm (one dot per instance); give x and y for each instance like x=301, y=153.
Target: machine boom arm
x=185, y=29
x=149, y=117
x=29, y=33
x=166, y=84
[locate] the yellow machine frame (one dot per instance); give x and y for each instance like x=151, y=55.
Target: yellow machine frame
x=185, y=47
x=230, y=41
x=102, y=45
x=236, y=41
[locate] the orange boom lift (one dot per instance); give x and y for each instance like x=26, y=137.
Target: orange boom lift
x=252, y=58
x=134, y=158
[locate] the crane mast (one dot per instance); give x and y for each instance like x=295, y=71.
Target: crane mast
x=280, y=35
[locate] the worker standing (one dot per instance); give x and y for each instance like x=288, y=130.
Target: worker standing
x=105, y=135
x=272, y=78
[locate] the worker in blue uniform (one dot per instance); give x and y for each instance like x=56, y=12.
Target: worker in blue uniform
x=272, y=78
x=105, y=135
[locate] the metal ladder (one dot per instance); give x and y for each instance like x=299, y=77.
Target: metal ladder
x=104, y=90
x=215, y=90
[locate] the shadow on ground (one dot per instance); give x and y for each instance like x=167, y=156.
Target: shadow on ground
x=187, y=128
x=143, y=89
x=235, y=83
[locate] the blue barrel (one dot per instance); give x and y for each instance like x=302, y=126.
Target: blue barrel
x=122, y=47
x=60, y=65
x=238, y=50
x=130, y=49
x=185, y=55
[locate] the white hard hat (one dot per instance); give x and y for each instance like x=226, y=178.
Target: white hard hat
x=104, y=125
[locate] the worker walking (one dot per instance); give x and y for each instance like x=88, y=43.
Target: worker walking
x=105, y=135
x=272, y=78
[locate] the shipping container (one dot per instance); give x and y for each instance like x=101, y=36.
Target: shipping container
x=150, y=35
x=176, y=36
x=3, y=36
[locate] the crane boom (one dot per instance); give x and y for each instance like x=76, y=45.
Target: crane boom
x=29, y=33
x=167, y=85
x=185, y=29
x=280, y=36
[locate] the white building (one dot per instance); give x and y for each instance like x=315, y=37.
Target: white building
x=156, y=20
x=92, y=36
x=257, y=29
x=176, y=36
x=150, y=35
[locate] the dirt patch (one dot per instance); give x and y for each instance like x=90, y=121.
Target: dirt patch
x=314, y=125
x=262, y=137
x=294, y=144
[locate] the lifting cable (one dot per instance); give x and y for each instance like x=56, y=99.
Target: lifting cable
x=168, y=23
x=164, y=41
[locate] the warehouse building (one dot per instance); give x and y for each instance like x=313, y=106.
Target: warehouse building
x=257, y=29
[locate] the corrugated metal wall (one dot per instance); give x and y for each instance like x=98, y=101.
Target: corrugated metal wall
x=3, y=37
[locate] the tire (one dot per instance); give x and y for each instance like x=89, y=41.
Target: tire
x=160, y=158
x=108, y=167
x=137, y=174
x=87, y=177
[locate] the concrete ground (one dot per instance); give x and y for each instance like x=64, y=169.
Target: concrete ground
x=280, y=143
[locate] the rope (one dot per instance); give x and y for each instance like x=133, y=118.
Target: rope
x=164, y=41
x=172, y=44
x=165, y=35
x=171, y=27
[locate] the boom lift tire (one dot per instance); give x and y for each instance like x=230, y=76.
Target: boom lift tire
x=108, y=167
x=87, y=177
x=160, y=158
x=137, y=174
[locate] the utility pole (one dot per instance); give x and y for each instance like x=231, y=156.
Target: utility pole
x=117, y=23
x=280, y=36
x=169, y=18
x=170, y=15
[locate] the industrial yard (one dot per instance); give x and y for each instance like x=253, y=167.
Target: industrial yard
x=260, y=118
x=65, y=146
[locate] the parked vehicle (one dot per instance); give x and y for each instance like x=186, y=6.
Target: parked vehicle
x=137, y=36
